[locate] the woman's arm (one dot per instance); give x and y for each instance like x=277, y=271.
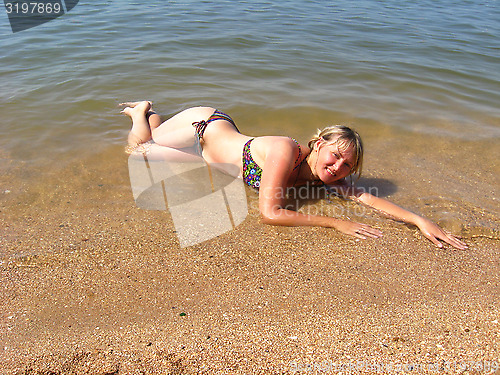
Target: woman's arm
x=272, y=196
x=430, y=230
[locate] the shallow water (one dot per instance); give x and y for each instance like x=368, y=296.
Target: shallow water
x=419, y=81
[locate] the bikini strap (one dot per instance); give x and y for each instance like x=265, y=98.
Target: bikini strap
x=300, y=154
x=217, y=115
x=200, y=128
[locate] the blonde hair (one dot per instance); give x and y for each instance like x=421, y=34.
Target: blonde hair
x=344, y=137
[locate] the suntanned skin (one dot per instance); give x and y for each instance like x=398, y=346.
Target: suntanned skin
x=222, y=143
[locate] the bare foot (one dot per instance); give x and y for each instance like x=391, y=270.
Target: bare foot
x=141, y=130
x=134, y=104
x=136, y=108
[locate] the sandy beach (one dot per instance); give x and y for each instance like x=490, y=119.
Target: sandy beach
x=91, y=284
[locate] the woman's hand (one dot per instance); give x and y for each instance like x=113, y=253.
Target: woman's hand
x=433, y=232
x=357, y=229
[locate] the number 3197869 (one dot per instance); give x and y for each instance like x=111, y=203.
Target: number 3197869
x=33, y=8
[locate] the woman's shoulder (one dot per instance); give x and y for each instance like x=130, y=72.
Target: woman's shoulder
x=278, y=145
x=276, y=141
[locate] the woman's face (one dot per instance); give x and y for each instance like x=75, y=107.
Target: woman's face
x=334, y=161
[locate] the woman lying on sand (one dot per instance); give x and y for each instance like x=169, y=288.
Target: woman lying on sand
x=272, y=164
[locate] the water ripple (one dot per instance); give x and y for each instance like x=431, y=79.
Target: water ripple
x=409, y=66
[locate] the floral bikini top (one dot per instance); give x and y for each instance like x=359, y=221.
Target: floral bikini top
x=252, y=172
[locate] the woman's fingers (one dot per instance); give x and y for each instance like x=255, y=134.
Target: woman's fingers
x=373, y=232
x=433, y=240
x=434, y=233
x=360, y=236
x=362, y=231
x=453, y=241
x=446, y=237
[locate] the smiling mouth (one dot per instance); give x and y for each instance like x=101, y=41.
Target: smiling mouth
x=330, y=171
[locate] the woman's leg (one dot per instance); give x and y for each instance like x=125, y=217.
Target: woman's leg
x=143, y=118
x=178, y=131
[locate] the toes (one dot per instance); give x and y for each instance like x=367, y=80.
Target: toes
x=129, y=104
x=134, y=104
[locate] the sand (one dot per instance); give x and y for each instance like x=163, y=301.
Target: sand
x=91, y=284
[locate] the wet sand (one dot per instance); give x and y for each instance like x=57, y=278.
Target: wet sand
x=91, y=284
